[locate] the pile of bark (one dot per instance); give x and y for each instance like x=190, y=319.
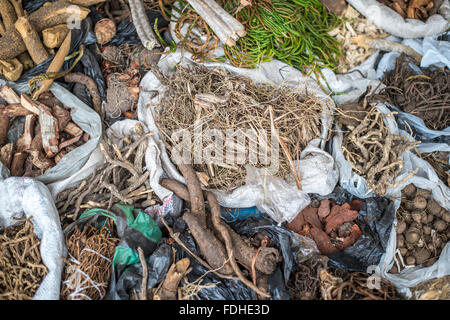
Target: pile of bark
x=49, y=133
x=331, y=226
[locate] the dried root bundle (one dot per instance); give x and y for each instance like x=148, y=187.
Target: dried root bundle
x=21, y=268
x=120, y=179
x=343, y=285
x=198, y=100
x=88, y=270
x=426, y=95
x=372, y=150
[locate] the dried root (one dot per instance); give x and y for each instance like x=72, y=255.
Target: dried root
x=374, y=153
x=21, y=268
x=119, y=179
x=89, y=267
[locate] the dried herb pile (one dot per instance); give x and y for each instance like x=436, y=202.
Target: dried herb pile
x=202, y=99
x=21, y=268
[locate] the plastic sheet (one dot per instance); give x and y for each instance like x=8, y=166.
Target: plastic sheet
x=25, y=197
x=391, y=22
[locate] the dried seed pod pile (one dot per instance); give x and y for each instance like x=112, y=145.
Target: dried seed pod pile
x=372, y=150
x=342, y=285
x=422, y=229
x=426, y=95
x=198, y=99
x=89, y=265
x=331, y=226
x=48, y=135
x=305, y=283
x=120, y=179
x=353, y=34
x=414, y=9
x=21, y=268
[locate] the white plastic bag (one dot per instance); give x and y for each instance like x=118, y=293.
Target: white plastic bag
x=275, y=202
x=85, y=117
x=393, y=23
x=27, y=197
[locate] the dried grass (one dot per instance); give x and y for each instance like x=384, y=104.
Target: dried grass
x=214, y=99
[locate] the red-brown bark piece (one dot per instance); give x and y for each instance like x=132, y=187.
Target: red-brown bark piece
x=15, y=109
x=345, y=215
x=322, y=241
x=356, y=204
x=355, y=233
x=311, y=217
x=335, y=209
x=324, y=209
x=297, y=224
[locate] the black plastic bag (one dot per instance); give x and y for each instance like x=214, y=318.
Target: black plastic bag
x=375, y=221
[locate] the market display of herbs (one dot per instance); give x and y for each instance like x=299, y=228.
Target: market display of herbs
x=21, y=267
x=422, y=229
x=121, y=178
x=425, y=94
x=371, y=149
x=48, y=133
x=331, y=226
x=414, y=9
x=88, y=269
x=294, y=31
x=200, y=99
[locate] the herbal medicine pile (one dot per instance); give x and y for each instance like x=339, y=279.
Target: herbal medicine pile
x=422, y=229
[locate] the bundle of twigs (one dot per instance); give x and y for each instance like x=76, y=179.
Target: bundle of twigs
x=372, y=150
x=21, y=268
x=440, y=162
x=89, y=267
x=343, y=285
x=198, y=99
x=426, y=95
x=120, y=179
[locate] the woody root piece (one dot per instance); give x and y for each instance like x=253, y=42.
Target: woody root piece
x=227, y=28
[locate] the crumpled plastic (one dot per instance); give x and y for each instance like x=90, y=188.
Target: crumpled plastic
x=391, y=22
x=26, y=197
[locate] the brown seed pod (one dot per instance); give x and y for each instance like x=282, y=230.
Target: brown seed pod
x=400, y=241
x=409, y=205
x=408, y=218
x=403, y=251
x=446, y=216
x=440, y=225
x=104, y=30
x=430, y=262
x=410, y=191
x=433, y=207
x=430, y=218
x=431, y=247
x=441, y=213
x=414, y=224
x=410, y=261
x=394, y=269
x=426, y=230
x=421, y=255
x=401, y=227
x=420, y=203
x=424, y=219
x=423, y=193
x=417, y=216
x=412, y=235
